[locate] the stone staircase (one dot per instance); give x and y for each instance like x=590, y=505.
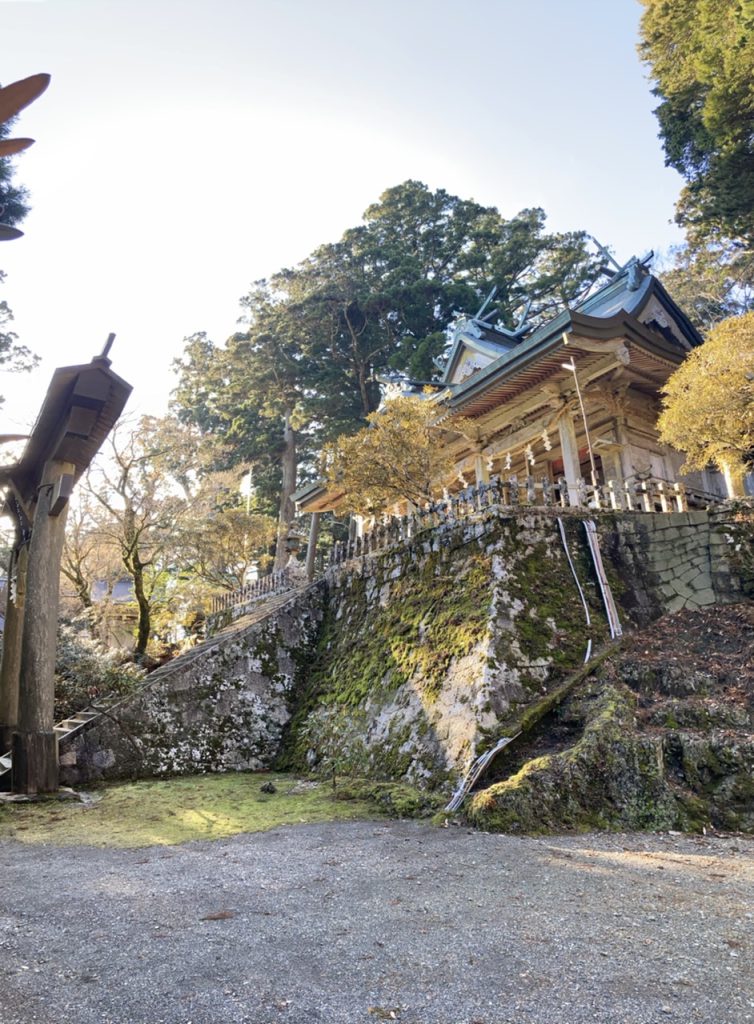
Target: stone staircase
x=83, y=719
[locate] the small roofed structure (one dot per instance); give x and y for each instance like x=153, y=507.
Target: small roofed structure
x=575, y=398
x=80, y=408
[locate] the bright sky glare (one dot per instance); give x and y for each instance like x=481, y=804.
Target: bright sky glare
x=186, y=148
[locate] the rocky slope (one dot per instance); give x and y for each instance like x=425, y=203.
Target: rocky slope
x=660, y=735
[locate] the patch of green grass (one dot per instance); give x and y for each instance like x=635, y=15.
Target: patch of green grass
x=166, y=812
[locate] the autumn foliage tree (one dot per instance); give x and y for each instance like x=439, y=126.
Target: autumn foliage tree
x=399, y=456
x=708, y=405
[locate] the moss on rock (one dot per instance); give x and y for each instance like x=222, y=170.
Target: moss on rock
x=609, y=778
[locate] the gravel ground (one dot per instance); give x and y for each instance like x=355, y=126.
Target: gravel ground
x=373, y=921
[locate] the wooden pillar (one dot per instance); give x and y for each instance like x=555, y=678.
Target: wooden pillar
x=611, y=464
x=625, y=449
x=570, y=452
x=35, y=748
x=11, y=666
x=311, y=550
x=480, y=469
x=733, y=475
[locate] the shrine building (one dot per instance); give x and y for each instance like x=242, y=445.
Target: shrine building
x=575, y=399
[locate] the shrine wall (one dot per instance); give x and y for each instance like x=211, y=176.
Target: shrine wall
x=221, y=707
x=404, y=665
x=430, y=651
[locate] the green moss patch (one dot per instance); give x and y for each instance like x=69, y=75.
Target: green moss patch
x=609, y=778
x=436, y=611
x=178, y=810
x=397, y=799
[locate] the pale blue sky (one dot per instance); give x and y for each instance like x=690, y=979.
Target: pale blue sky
x=188, y=147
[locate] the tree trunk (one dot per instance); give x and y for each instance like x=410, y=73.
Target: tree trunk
x=144, y=626
x=135, y=569
x=366, y=405
x=287, y=508
x=14, y=626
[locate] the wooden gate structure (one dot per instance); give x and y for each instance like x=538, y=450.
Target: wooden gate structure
x=80, y=408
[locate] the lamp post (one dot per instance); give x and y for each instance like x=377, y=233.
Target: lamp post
x=572, y=367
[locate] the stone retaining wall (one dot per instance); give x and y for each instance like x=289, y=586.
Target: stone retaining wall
x=404, y=664
x=221, y=707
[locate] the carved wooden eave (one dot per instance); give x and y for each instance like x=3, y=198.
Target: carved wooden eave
x=598, y=345
x=80, y=408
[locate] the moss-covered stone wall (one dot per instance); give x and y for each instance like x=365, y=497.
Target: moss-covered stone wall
x=430, y=651
x=221, y=707
x=408, y=664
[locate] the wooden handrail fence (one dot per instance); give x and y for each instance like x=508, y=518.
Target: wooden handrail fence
x=635, y=495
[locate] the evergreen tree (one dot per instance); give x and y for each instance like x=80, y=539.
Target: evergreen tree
x=379, y=300
x=701, y=56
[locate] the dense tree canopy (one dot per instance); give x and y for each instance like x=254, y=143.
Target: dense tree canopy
x=709, y=401
x=711, y=282
x=701, y=56
x=13, y=208
x=378, y=300
x=13, y=198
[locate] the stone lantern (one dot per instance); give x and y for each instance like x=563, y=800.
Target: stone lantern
x=293, y=545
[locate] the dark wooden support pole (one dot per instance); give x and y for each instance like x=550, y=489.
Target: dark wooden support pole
x=35, y=748
x=288, y=486
x=311, y=550
x=11, y=666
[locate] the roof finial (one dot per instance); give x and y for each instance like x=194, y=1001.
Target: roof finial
x=104, y=354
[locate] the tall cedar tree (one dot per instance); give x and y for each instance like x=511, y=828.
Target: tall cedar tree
x=700, y=54
x=380, y=299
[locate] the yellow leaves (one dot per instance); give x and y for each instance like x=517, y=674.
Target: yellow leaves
x=708, y=408
x=398, y=457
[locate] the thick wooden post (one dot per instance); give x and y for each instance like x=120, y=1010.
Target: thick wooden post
x=611, y=464
x=570, y=451
x=11, y=666
x=35, y=749
x=311, y=550
x=480, y=470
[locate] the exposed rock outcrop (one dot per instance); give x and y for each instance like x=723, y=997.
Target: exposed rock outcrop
x=661, y=736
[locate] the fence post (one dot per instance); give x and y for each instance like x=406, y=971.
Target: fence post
x=582, y=500
x=645, y=497
x=662, y=496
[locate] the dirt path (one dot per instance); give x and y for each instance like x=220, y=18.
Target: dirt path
x=371, y=921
